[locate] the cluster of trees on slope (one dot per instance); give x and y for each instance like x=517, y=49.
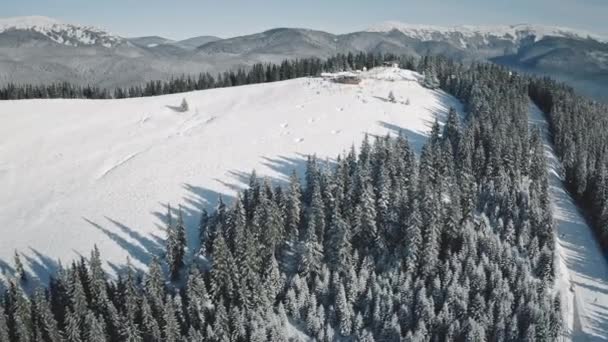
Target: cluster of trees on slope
x=382, y=246
x=580, y=135
x=258, y=73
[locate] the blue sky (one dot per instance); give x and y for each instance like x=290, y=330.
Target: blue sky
x=225, y=18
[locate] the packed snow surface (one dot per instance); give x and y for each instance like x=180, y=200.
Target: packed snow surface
x=582, y=270
x=75, y=173
x=508, y=32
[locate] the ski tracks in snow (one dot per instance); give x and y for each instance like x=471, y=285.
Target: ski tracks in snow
x=582, y=269
x=120, y=163
x=184, y=128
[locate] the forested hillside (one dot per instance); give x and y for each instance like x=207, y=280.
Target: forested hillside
x=258, y=73
x=454, y=244
x=580, y=134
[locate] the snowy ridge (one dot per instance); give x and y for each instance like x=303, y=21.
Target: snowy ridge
x=61, y=33
x=111, y=166
x=508, y=32
x=393, y=74
x=380, y=74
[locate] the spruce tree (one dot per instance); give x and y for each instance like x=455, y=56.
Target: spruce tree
x=184, y=107
x=48, y=329
x=338, y=250
x=413, y=238
x=4, y=335
x=176, y=244
x=19, y=269
x=293, y=209
x=344, y=312
x=224, y=280
x=197, y=299
x=95, y=329
x=368, y=231
x=171, y=330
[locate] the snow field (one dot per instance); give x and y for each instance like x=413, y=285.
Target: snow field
x=75, y=173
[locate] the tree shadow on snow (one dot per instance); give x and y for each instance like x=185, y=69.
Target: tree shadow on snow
x=139, y=248
x=415, y=139
x=6, y=269
x=177, y=109
x=383, y=99
x=40, y=268
x=143, y=248
x=599, y=323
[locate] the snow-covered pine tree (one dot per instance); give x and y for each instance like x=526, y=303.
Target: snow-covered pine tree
x=344, y=312
x=430, y=79
x=179, y=247
x=338, y=246
x=184, y=107
x=203, y=231
x=171, y=329
x=95, y=329
x=176, y=244
x=48, y=328
x=292, y=209
x=19, y=269
x=4, y=335
x=224, y=279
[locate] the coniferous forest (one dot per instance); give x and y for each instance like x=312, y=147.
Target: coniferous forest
x=258, y=73
x=456, y=244
x=580, y=135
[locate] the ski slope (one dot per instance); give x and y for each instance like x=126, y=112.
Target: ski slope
x=75, y=173
x=582, y=270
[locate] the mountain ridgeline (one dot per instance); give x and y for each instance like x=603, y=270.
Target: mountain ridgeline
x=381, y=245
x=44, y=50
x=258, y=73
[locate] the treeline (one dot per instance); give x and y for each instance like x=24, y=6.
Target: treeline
x=580, y=135
x=258, y=73
x=456, y=245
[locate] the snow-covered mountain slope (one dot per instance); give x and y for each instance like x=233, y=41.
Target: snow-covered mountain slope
x=582, y=270
x=61, y=33
x=194, y=42
x=512, y=33
x=75, y=173
x=150, y=41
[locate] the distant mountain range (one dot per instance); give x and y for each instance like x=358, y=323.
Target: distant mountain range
x=40, y=49
x=43, y=28
x=160, y=42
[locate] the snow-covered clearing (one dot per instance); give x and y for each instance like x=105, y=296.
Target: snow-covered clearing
x=75, y=173
x=581, y=266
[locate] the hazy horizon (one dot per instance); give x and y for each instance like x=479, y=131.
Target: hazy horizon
x=189, y=18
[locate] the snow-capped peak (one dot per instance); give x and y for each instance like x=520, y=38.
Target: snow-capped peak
x=27, y=22
x=62, y=33
x=509, y=32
